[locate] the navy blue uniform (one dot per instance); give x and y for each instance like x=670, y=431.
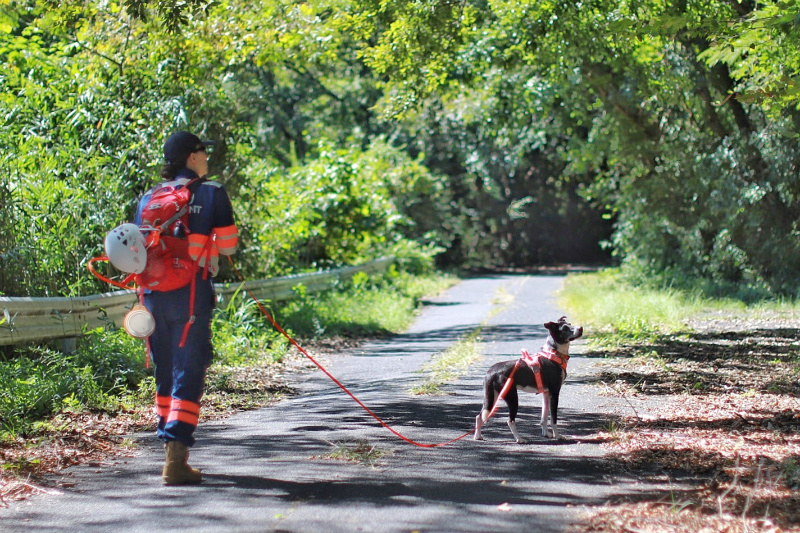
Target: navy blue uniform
x=180, y=371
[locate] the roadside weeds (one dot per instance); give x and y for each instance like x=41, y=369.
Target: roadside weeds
x=721, y=408
x=31, y=464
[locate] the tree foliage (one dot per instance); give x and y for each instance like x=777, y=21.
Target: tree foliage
x=677, y=118
x=503, y=132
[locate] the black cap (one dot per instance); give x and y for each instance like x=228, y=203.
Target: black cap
x=180, y=145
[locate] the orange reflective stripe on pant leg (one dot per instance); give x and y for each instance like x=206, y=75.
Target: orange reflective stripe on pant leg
x=163, y=405
x=184, y=411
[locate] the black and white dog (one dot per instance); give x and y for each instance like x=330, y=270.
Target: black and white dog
x=551, y=366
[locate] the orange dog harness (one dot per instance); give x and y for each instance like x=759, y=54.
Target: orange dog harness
x=533, y=362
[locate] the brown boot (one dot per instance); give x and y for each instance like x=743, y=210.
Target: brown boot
x=176, y=471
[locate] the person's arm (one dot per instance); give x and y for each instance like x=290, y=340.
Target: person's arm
x=227, y=234
x=213, y=220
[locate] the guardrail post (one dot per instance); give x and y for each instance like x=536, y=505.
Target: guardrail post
x=69, y=345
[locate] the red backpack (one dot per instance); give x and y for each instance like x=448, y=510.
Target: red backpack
x=164, y=219
x=164, y=227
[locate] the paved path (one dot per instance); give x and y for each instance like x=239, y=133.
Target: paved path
x=266, y=470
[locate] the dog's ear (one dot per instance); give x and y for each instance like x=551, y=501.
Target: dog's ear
x=551, y=325
x=562, y=319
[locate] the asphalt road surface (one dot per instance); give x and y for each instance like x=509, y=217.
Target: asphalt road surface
x=269, y=470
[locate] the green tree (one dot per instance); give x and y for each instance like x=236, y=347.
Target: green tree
x=650, y=112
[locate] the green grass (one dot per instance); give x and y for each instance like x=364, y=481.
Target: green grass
x=608, y=304
x=242, y=335
x=366, y=308
x=615, y=310
x=450, y=364
x=101, y=375
x=361, y=452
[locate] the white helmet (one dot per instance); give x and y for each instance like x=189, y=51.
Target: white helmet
x=126, y=248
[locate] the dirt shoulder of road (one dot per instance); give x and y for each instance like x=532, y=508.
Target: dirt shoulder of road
x=720, y=405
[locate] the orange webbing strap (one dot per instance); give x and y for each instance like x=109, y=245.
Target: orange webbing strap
x=124, y=284
x=533, y=362
x=191, y=312
x=148, y=351
x=204, y=254
x=266, y=313
x=557, y=357
x=537, y=374
x=508, y=384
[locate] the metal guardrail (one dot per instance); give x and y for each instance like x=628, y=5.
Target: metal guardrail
x=41, y=319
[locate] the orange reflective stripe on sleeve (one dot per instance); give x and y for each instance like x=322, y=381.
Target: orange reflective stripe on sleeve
x=213, y=252
x=227, y=239
x=163, y=405
x=213, y=255
x=184, y=411
x=197, y=242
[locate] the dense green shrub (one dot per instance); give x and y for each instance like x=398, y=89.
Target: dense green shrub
x=242, y=334
x=105, y=365
x=344, y=207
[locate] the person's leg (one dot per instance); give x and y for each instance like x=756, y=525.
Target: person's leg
x=160, y=353
x=189, y=365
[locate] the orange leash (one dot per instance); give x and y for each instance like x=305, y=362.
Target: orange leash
x=266, y=313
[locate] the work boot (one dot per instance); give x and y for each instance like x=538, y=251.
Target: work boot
x=176, y=470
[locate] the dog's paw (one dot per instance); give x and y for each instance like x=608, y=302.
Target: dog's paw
x=521, y=441
x=477, y=437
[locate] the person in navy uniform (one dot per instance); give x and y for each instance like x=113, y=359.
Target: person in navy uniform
x=181, y=354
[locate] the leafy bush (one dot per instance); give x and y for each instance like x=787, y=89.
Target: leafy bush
x=346, y=206
x=369, y=311
x=368, y=306
x=242, y=334
x=709, y=221
x=31, y=389
x=117, y=360
x=414, y=258
x=81, y=137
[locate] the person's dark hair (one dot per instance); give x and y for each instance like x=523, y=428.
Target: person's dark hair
x=170, y=170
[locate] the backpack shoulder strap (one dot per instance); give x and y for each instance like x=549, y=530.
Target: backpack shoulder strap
x=196, y=182
x=185, y=208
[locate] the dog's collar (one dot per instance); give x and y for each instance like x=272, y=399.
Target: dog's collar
x=553, y=351
x=551, y=346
